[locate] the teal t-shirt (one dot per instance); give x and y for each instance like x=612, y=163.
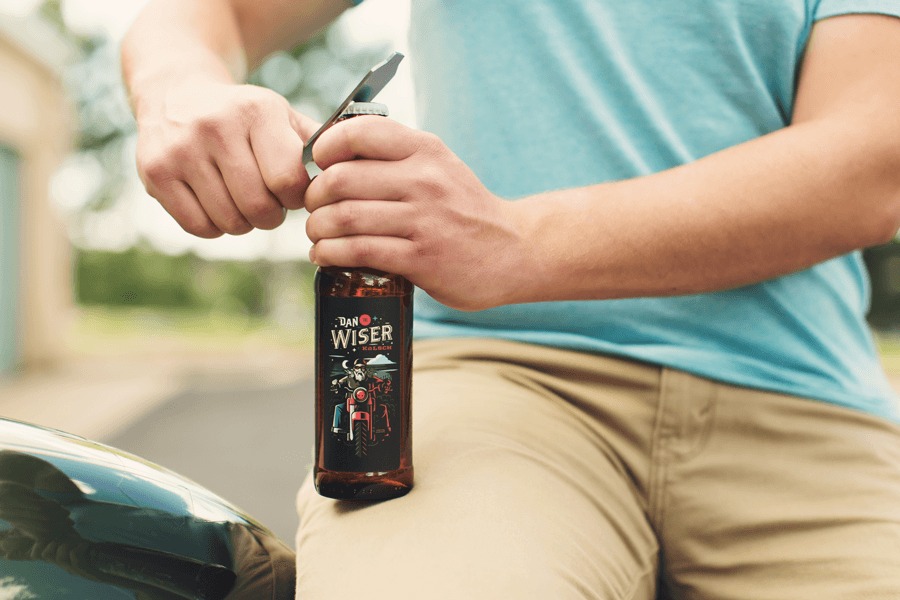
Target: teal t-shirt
x=548, y=94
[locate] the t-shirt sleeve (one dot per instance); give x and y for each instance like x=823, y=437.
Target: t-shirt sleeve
x=833, y=8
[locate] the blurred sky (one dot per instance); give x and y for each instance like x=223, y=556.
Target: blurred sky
x=138, y=215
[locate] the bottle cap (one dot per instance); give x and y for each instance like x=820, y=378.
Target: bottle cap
x=365, y=108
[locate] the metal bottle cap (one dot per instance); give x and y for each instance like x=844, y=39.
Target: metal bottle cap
x=371, y=83
x=364, y=108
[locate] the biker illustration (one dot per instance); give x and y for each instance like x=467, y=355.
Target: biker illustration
x=361, y=417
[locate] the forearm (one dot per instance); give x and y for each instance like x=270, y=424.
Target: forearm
x=758, y=210
x=214, y=40
x=176, y=39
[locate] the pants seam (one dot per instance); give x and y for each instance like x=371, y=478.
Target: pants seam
x=659, y=455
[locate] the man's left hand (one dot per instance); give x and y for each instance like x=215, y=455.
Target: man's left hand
x=398, y=200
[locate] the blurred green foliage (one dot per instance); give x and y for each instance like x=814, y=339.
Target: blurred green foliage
x=883, y=263
x=135, y=277
x=142, y=277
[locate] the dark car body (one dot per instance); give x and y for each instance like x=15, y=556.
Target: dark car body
x=82, y=520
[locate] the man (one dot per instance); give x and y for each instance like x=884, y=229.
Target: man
x=673, y=390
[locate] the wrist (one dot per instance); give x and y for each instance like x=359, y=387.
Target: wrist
x=156, y=97
x=554, y=247
x=150, y=88
x=527, y=266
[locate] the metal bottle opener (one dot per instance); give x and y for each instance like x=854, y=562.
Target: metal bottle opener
x=372, y=83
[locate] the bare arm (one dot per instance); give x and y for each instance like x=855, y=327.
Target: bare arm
x=827, y=184
x=219, y=156
x=220, y=40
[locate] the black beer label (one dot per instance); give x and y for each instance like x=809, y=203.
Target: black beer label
x=360, y=345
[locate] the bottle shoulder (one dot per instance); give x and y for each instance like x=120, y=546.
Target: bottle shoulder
x=346, y=282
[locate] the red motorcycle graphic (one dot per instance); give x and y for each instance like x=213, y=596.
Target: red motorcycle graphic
x=361, y=420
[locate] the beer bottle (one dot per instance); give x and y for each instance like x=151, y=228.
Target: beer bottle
x=363, y=377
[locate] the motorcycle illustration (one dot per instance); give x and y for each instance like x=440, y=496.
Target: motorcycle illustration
x=362, y=419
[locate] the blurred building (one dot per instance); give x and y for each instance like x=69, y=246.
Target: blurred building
x=36, y=129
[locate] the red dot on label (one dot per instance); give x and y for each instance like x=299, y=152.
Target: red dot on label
x=364, y=320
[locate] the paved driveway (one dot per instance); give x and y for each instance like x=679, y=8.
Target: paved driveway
x=250, y=444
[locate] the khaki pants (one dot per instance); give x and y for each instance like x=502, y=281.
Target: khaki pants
x=551, y=474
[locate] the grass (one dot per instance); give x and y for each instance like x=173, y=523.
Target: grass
x=102, y=329
x=889, y=347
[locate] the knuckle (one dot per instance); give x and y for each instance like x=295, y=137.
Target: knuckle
x=255, y=210
x=156, y=168
x=425, y=253
x=263, y=213
x=429, y=143
x=275, y=219
x=255, y=102
x=362, y=251
x=183, y=148
x=211, y=126
x=335, y=181
x=288, y=180
x=429, y=181
x=346, y=214
x=200, y=226
x=235, y=224
x=423, y=233
x=249, y=109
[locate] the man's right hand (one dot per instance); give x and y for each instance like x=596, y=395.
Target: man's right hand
x=223, y=158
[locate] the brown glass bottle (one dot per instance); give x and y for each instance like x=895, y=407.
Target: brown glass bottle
x=363, y=382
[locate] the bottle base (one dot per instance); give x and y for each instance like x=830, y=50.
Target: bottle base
x=363, y=486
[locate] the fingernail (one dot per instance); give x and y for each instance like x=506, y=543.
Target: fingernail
x=312, y=255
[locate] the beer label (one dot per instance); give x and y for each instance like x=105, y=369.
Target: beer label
x=360, y=347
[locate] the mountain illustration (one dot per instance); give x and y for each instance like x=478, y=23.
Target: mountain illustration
x=379, y=360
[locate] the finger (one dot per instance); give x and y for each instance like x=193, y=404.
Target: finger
x=358, y=180
x=390, y=254
x=361, y=217
x=208, y=186
x=303, y=125
x=248, y=190
x=369, y=137
x=279, y=155
x=178, y=199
